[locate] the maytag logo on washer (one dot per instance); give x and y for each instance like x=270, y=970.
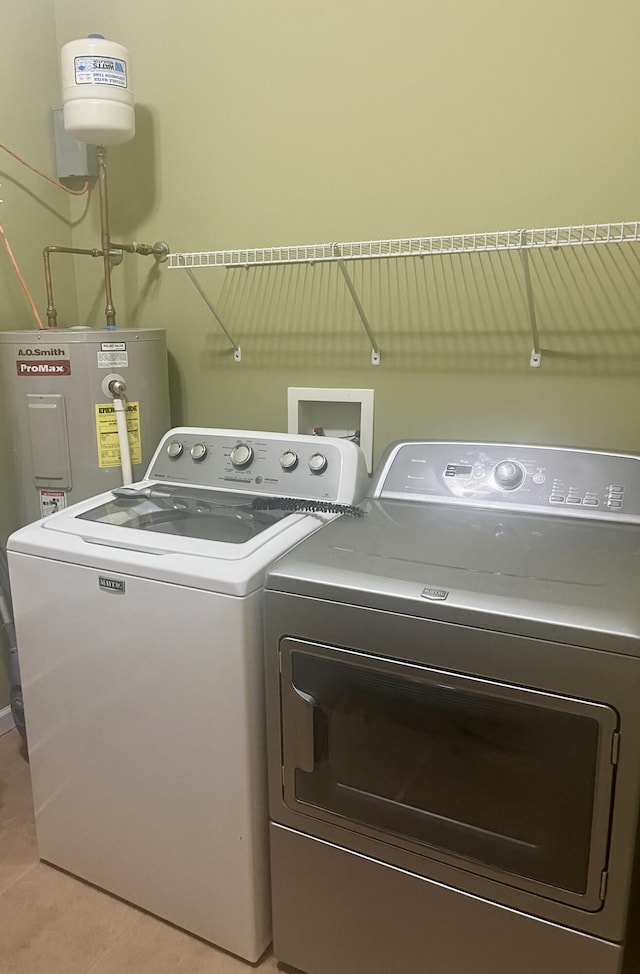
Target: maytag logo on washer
x=111, y=584
x=434, y=594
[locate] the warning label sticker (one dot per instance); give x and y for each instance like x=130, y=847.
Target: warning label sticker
x=33, y=367
x=52, y=501
x=107, y=434
x=113, y=360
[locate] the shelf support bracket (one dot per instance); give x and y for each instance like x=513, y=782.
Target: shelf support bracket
x=536, y=352
x=375, y=348
x=237, y=351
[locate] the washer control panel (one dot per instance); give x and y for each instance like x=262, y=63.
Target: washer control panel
x=320, y=468
x=585, y=482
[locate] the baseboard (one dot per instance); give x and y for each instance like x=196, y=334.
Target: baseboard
x=6, y=720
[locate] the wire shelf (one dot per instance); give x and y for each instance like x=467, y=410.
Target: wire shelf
x=523, y=241
x=462, y=243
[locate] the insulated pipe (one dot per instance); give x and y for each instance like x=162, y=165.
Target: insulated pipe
x=117, y=390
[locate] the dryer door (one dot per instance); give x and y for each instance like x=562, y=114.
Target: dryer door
x=509, y=782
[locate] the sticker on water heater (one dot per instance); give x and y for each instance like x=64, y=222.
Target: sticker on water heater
x=113, y=358
x=52, y=501
x=107, y=434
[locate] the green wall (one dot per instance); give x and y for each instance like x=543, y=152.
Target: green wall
x=280, y=122
x=288, y=122
x=32, y=212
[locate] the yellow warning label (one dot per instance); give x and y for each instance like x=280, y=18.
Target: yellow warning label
x=107, y=434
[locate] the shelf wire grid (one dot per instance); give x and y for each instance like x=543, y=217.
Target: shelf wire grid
x=457, y=243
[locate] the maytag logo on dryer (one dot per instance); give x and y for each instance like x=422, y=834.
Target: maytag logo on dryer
x=111, y=584
x=434, y=594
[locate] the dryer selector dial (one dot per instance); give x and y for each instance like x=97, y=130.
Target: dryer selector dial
x=509, y=474
x=317, y=463
x=198, y=452
x=175, y=449
x=241, y=455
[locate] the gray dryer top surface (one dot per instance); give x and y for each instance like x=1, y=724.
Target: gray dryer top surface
x=531, y=572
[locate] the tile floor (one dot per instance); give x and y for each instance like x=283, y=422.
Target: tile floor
x=51, y=923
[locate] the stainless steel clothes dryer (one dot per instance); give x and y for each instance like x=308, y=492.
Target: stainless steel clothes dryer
x=453, y=695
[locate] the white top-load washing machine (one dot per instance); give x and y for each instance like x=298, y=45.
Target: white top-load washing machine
x=139, y=626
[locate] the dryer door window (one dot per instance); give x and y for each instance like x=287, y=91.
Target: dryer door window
x=503, y=780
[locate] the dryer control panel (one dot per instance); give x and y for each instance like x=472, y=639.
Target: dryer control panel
x=310, y=467
x=587, y=483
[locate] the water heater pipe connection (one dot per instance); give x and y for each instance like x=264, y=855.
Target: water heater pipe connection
x=117, y=389
x=109, y=251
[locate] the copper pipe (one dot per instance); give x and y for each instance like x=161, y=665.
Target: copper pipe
x=133, y=248
x=159, y=250
x=110, y=311
x=56, y=249
x=107, y=251
x=52, y=314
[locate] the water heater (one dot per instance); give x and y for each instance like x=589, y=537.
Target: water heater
x=62, y=421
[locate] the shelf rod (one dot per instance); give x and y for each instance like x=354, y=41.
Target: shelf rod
x=536, y=353
x=237, y=351
x=375, y=349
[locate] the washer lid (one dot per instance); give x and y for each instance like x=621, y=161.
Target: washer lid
x=225, y=552
x=186, y=512
x=565, y=579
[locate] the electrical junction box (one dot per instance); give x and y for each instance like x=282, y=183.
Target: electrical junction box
x=344, y=413
x=73, y=158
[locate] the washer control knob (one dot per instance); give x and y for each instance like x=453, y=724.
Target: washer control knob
x=508, y=474
x=289, y=460
x=317, y=463
x=198, y=452
x=241, y=455
x=175, y=449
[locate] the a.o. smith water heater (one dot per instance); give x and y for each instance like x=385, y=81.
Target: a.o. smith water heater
x=61, y=415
